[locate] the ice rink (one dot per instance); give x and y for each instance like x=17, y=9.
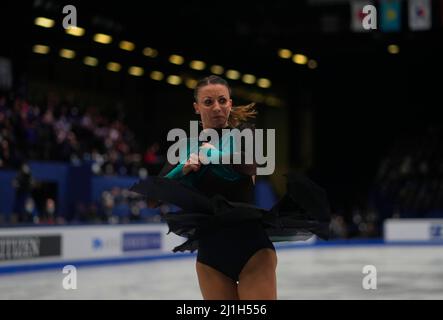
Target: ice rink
x=403, y=272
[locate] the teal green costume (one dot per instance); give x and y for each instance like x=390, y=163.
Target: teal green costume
x=223, y=149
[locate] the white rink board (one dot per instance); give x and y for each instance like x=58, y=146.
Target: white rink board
x=421, y=230
x=90, y=242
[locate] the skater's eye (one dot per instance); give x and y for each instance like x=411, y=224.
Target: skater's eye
x=207, y=102
x=222, y=101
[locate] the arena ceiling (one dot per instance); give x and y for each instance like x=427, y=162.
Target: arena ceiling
x=245, y=34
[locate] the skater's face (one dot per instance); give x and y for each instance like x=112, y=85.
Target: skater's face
x=214, y=105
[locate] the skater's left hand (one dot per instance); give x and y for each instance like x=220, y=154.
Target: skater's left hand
x=207, y=145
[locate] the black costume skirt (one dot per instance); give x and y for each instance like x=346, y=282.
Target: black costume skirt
x=302, y=212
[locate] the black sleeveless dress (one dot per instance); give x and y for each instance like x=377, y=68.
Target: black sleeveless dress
x=218, y=217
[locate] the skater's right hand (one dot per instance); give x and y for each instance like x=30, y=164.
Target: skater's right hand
x=193, y=164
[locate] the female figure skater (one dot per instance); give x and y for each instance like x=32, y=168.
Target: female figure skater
x=236, y=258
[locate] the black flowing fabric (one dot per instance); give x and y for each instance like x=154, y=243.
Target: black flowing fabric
x=302, y=212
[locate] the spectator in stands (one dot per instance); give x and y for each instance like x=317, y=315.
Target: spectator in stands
x=61, y=131
x=410, y=176
x=23, y=184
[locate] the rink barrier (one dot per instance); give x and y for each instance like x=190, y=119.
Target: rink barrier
x=88, y=246
x=423, y=230
x=376, y=243
x=23, y=248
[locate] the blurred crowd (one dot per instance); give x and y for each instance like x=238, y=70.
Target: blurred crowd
x=362, y=222
x=115, y=206
x=408, y=184
x=119, y=206
x=409, y=181
x=59, y=131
